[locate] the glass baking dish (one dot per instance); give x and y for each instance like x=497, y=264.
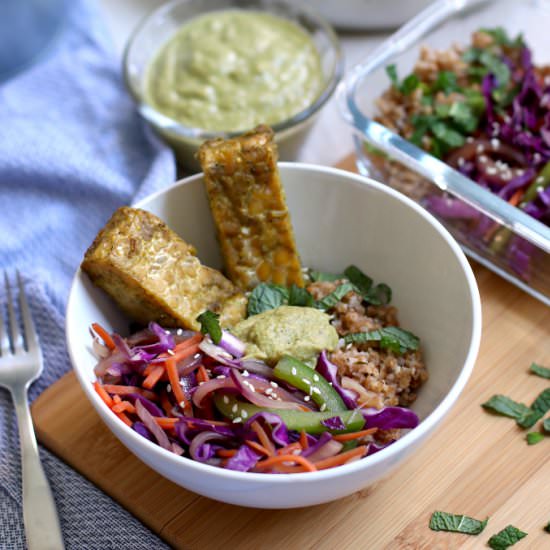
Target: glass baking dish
x=498, y=235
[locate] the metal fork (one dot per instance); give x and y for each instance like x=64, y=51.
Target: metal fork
x=20, y=365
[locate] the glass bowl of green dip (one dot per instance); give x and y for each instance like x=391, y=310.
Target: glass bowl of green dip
x=203, y=69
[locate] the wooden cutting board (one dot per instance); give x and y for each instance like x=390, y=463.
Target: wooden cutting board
x=476, y=464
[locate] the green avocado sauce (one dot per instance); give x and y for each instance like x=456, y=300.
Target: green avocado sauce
x=232, y=70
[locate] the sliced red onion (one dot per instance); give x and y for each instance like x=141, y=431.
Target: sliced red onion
x=279, y=431
x=189, y=364
x=200, y=450
x=352, y=384
x=177, y=449
x=147, y=418
x=211, y=386
x=255, y=366
x=253, y=390
x=232, y=344
x=324, y=448
x=100, y=350
x=216, y=352
x=149, y=405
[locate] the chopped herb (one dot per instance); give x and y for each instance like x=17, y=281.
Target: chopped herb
x=334, y=297
x=539, y=370
x=442, y=521
x=501, y=404
x=391, y=71
x=506, y=538
x=409, y=84
x=319, y=276
x=540, y=406
x=534, y=437
x=356, y=277
x=463, y=115
x=445, y=133
x=446, y=82
x=210, y=324
x=546, y=425
x=379, y=295
x=266, y=296
x=500, y=36
x=298, y=296
x=392, y=338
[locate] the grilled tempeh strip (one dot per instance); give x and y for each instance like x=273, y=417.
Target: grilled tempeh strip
x=154, y=275
x=248, y=204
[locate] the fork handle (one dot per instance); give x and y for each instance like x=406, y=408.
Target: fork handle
x=42, y=527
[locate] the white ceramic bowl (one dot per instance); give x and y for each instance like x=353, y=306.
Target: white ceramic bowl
x=339, y=219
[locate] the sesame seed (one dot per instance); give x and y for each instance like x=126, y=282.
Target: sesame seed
x=520, y=172
x=269, y=391
x=316, y=378
x=316, y=390
x=234, y=408
x=245, y=230
x=182, y=404
x=293, y=371
x=225, y=399
x=483, y=159
x=323, y=407
x=168, y=388
x=179, y=332
x=480, y=148
x=306, y=381
x=274, y=384
x=540, y=179
x=196, y=356
x=341, y=342
x=469, y=139
x=201, y=383
x=307, y=398
x=245, y=373
x=237, y=420
x=170, y=352
x=220, y=376
x=296, y=451
x=491, y=171
x=330, y=383
x=167, y=331
x=244, y=414
x=495, y=143
x=349, y=346
x=461, y=161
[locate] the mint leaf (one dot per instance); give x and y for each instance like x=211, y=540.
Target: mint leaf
x=392, y=338
x=379, y=295
x=501, y=404
x=356, y=277
x=409, y=84
x=298, y=296
x=506, y=538
x=210, y=324
x=446, y=82
x=266, y=296
x=442, y=521
x=534, y=437
x=329, y=301
x=539, y=407
x=463, y=116
x=391, y=71
x=320, y=276
x=546, y=425
x=445, y=133
x=539, y=370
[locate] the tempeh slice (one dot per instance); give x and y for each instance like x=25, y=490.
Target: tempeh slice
x=154, y=275
x=248, y=204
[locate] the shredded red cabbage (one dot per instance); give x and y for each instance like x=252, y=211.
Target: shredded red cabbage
x=330, y=372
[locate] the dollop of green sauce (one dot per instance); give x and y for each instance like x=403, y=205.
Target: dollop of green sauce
x=302, y=332
x=232, y=70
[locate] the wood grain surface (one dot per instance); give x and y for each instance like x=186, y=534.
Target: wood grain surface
x=476, y=464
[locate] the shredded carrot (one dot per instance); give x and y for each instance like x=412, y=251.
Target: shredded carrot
x=166, y=404
x=342, y=458
x=149, y=368
x=263, y=437
x=356, y=435
x=184, y=353
x=289, y=449
x=153, y=377
x=279, y=459
x=123, y=406
x=303, y=440
x=117, y=399
x=226, y=453
x=166, y=422
x=125, y=390
x=514, y=200
x=182, y=346
x=104, y=335
x=124, y=419
x=175, y=382
x=106, y=398
x=258, y=447
x=202, y=374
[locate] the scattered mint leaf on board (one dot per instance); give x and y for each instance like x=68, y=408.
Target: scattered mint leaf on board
x=539, y=370
x=540, y=406
x=506, y=538
x=501, y=404
x=210, y=324
x=266, y=296
x=534, y=437
x=442, y=521
x=330, y=300
x=393, y=338
x=318, y=276
x=298, y=296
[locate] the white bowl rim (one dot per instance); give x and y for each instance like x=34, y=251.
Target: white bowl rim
x=420, y=432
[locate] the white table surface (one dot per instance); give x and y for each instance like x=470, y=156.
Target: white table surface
x=330, y=139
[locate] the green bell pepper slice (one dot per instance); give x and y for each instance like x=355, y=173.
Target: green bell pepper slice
x=304, y=378
x=232, y=408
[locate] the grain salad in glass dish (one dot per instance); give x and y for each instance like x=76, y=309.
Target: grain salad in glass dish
x=273, y=369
